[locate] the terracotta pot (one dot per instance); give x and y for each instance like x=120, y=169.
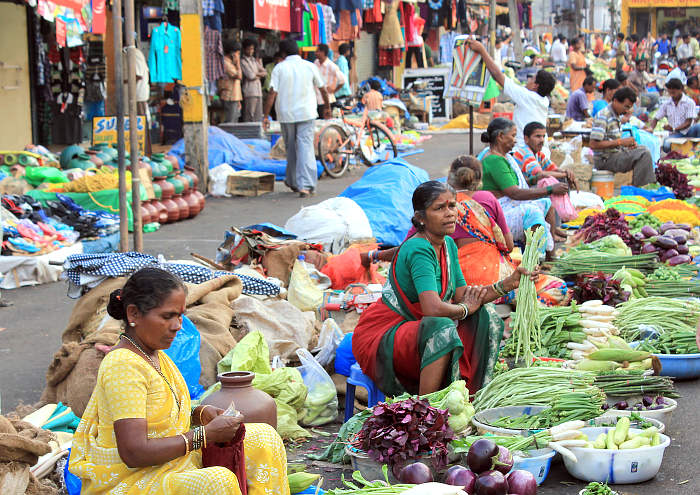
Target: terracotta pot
x=152, y=211
x=94, y=158
x=193, y=203
x=145, y=214
x=162, y=211
x=184, y=207
x=254, y=404
x=167, y=189
x=195, y=178
x=201, y=198
x=173, y=210
x=173, y=161
x=178, y=185
x=188, y=178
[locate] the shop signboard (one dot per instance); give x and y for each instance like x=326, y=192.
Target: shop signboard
x=104, y=130
x=99, y=17
x=272, y=14
x=75, y=5
x=435, y=83
x=468, y=76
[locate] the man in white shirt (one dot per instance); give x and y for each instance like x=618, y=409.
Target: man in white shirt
x=292, y=84
x=331, y=74
x=559, y=50
x=684, y=51
x=678, y=72
x=531, y=101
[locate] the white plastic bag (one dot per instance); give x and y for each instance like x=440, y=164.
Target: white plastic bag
x=335, y=223
x=218, y=177
x=321, y=405
x=303, y=292
x=328, y=342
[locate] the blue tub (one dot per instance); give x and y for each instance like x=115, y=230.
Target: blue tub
x=538, y=464
x=680, y=366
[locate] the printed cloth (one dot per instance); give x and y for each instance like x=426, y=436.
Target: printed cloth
x=532, y=164
x=85, y=271
x=606, y=127
x=214, y=54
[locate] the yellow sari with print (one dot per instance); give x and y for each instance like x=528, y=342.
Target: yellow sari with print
x=128, y=387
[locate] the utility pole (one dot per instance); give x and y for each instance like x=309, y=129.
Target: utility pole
x=194, y=106
x=492, y=27
x=578, y=9
x=591, y=16
x=121, y=151
x=133, y=126
x=515, y=29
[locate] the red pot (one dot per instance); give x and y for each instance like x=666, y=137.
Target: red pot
x=162, y=211
x=185, y=183
x=168, y=190
x=145, y=215
x=201, y=199
x=173, y=160
x=94, y=158
x=195, y=178
x=173, y=210
x=152, y=210
x=193, y=203
x=184, y=207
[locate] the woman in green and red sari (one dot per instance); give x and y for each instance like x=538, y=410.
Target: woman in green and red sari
x=430, y=328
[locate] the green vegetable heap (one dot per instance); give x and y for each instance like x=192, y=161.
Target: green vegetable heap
x=595, y=488
x=636, y=223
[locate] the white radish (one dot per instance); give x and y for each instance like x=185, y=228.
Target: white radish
x=583, y=346
x=595, y=332
x=614, y=331
x=605, y=318
x=563, y=451
x=573, y=443
x=591, y=304
x=578, y=355
x=598, y=340
x=566, y=435
x=569, y=425
x=595, y=324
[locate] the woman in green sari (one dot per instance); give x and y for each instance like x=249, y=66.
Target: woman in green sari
x=430, y=328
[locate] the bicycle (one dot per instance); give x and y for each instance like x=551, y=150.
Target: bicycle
x=371, y=141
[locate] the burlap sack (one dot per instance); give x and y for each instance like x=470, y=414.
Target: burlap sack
x=6, y=426
x=63, y=362
x=14, y=478
x=90, y=310
x=75, y=391
x=27, y=445
x=278, y=263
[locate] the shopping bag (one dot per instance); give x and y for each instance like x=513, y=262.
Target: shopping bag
x=321, y=404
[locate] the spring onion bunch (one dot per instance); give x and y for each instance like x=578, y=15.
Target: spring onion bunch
x=526, y=327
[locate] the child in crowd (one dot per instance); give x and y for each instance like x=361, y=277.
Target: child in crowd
x=373, y=99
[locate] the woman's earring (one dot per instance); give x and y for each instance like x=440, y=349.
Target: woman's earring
x=132, y=324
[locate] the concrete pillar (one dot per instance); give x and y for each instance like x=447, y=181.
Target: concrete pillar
x=194, y=105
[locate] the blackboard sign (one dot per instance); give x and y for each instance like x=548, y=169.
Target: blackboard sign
x=437, y=80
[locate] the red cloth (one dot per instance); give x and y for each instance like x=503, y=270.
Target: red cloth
x=230, y=455
x=389, y=57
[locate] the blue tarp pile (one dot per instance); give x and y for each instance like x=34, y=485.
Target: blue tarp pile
x=227, y=148
x=384, y=193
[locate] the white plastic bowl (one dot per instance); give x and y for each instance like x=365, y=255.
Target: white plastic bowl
x=663, y=415
x=610, y=419
x=482, y=418
x=616, y=466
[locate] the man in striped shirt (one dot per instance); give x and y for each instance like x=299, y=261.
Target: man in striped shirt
x=331, y=73
x=533, y=162
x=680, y=111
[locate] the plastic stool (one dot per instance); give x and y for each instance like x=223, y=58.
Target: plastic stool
x=357, y=377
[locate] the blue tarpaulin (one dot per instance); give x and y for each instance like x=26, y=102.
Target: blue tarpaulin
x=384, y=192
x=249, y=154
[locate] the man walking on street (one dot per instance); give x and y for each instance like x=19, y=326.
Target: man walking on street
x=292, y=85
x=331, y=74
x=614, y=153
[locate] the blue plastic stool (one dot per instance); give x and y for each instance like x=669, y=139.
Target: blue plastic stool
x=357, y=377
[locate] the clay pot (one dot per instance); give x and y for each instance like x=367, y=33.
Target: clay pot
x=167, y=189
x=173, y=161
x=188, y=179
x=184, y=207
x=173, y=210
x=201, y=199
x=145, y=214
x=254, y=404
x=193, y=203
x=195, y=178
x=178, y=185
x=152, y=211
x=94, y=158
x=162, y=211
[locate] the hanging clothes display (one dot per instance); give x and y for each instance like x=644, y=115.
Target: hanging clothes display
x=391, y=35
x=329, y=22
x=214, y=56
x=165, y=58
x=67, y=90
x=296, y=11
x=373, y=14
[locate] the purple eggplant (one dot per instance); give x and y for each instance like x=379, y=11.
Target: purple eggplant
x=638, y=237
x=664, y=242
x=461, y=476
x=648, y=249
x=522, y=482
x=491, y=483
x=621, y=406
x=683, y=249
x=661, y=400
x=677, y=233
x=416, y=473
x=684, y=226
x=679, y=260
x=505, y=460
x=605, y=407
x=668, y=254
x=666, y=227
x=647, y=400
x=648, y=231
x=481, y=455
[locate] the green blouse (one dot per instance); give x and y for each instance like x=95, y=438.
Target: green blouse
x=498, y=175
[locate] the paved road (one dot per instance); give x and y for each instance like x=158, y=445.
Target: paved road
x=33, y=326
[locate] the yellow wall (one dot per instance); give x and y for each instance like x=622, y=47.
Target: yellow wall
x=650, y=4
x=15, y=99
x=191, y=28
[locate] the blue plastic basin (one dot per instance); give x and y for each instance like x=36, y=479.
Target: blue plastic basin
x=680, y=366
x=538, y=464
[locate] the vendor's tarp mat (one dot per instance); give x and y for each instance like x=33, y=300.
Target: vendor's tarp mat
x=384, y=193
x=18, y=271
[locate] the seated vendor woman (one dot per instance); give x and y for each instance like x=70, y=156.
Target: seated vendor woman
x=135, y=436
x=523, y=207
x=430, y=328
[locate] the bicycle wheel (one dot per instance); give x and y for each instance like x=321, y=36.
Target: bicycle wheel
x=333, y=150
x=378, y=146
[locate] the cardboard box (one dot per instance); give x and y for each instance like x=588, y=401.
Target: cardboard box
x=249, y=183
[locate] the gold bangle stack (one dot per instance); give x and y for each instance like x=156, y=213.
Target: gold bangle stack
x=466, y=310
x=499, y=289
x=198, y=438
x=187, y=443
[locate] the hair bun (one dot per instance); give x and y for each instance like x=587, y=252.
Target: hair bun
x=485, y=137
x=115, y=306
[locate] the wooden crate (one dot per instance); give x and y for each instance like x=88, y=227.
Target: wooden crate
x=249, y=183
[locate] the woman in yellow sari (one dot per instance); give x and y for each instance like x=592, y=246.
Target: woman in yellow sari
x=135, y=436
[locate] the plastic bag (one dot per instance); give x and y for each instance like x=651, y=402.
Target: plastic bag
x=218, y=178
x=347, y=269
x=328, y=341
x=321, y=405
x=73, y=484
x=250, y=354
x=38, y=175
x=303, y=291
x=184, y=351
x=561, y=202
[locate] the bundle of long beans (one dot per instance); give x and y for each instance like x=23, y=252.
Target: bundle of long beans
x=516, y=443
x=574, y=263
x=531, y=387
x=633, y=383
x=666, y=314
x=673, y=288
x=672, y=342
x=567, y=406
x=526, y=329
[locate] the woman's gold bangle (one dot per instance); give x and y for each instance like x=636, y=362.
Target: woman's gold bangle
x=201, y=410
x=204, y=434
x=187, y=443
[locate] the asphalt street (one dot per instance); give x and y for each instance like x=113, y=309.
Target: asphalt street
x=32, y=327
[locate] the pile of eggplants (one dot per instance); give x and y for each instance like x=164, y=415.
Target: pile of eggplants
x=669, y=242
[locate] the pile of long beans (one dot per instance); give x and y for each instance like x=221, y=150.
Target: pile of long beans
x=575, y=262
x=559, y=325
x=666, y=314
x=526, y=329
x=531, y=387
x=632, y=383
x=672, y=342
x=673, y=288
x=568, y=406
x=365, y=487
